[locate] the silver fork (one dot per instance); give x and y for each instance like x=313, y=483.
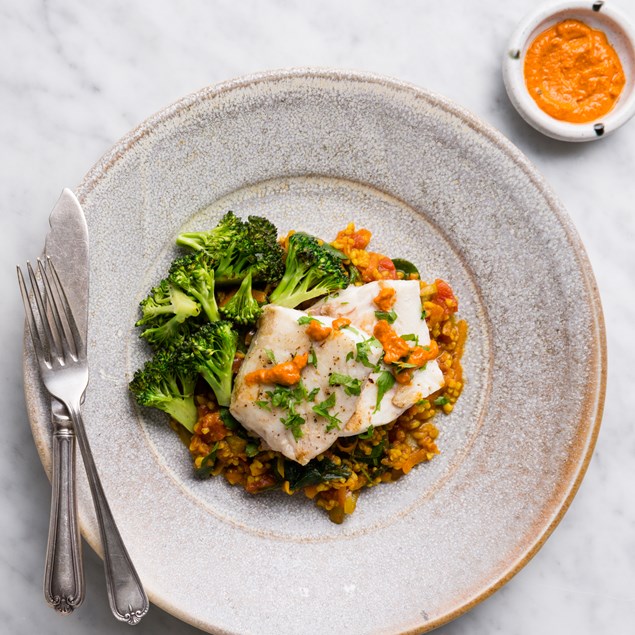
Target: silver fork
x=63, y=366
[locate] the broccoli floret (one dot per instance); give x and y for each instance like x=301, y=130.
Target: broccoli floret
x=210, y=351
x=195, y=275
x=311, y=270
x=257, y=253
x=167, y=300
x=165, y=382
x=229, y=229
x=164, y=312
x=242, y=308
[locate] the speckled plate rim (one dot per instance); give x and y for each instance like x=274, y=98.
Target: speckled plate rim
x=598, y=343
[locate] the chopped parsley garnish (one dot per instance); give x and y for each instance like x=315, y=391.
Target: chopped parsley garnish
x=322, y=409
x=287, y=398
x=411, y=337
x=306, y=319
x=389, y=316
x=405, y=365
x=350, y=356
x=441, y=401
x=270, y=356
x=351, y=385
x=363, y=350
x=313, y=394
x=424, y=314
x=385, y=382
x=312, y=358
x=368, y=434
x=293, y=422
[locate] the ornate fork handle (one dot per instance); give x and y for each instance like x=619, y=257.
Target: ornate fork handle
x=63, y=572
x=128, y=601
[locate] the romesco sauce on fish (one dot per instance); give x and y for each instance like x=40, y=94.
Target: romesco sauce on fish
x=285, y=374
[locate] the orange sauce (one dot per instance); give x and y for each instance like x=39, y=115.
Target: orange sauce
x=340, y=323
x=573, y=73
x=317, y=331
x=418, y=356
x=285, y=374
x=385, y=299
x=394, y=346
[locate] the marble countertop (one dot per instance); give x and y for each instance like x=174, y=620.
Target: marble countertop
x=75, y=76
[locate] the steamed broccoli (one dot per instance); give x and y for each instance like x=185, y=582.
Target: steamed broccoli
x=242, y=308
x=163, y=313
x=311, y=270
x=229, y=229
x=210, y=351
x=195, y=275
x=258, y=253
x=165, y=383
x=235, y=248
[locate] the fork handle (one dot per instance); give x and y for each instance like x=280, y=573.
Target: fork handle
x=63, y=571
x=127, y=598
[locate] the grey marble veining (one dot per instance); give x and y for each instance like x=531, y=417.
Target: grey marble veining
x=75, y=76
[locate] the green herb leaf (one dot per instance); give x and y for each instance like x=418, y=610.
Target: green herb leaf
x=368, y=434
x=207, y=464
x=313, y=394
x=349, y=356
x=312, y=358
x=270, y=356
x=411, y=337
x=424, y=314
x=293, y=422
x=364, y=350
x=441, y=401
x=322, y=409
x=313, y=473
x=305, y=319
x=389, y=316
x=228, y=420
x=351, y=385
x=252, y=448
x=405, y=266
x=405, y=365
x=374, y=457
x=385, y=382
x=263, y=404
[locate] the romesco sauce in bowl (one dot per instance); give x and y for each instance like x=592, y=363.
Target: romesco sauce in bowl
x=570, y=70
x=573, y=73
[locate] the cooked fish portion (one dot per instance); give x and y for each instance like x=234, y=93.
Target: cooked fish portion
x=394, y=402
x=263, y=408
x=357, y=304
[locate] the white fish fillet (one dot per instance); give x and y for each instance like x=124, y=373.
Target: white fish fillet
x=356, y=304
x=280, y=334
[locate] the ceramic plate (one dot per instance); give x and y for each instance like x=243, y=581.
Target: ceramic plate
x=312, y=150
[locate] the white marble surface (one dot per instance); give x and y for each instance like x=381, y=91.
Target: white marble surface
x=76, y=76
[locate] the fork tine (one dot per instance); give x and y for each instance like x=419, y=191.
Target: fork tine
x=30, y=318
x=67, y=340
x=49, y=335
x=61, y=294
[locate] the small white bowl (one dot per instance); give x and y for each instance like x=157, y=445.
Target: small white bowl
x=597, y=15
